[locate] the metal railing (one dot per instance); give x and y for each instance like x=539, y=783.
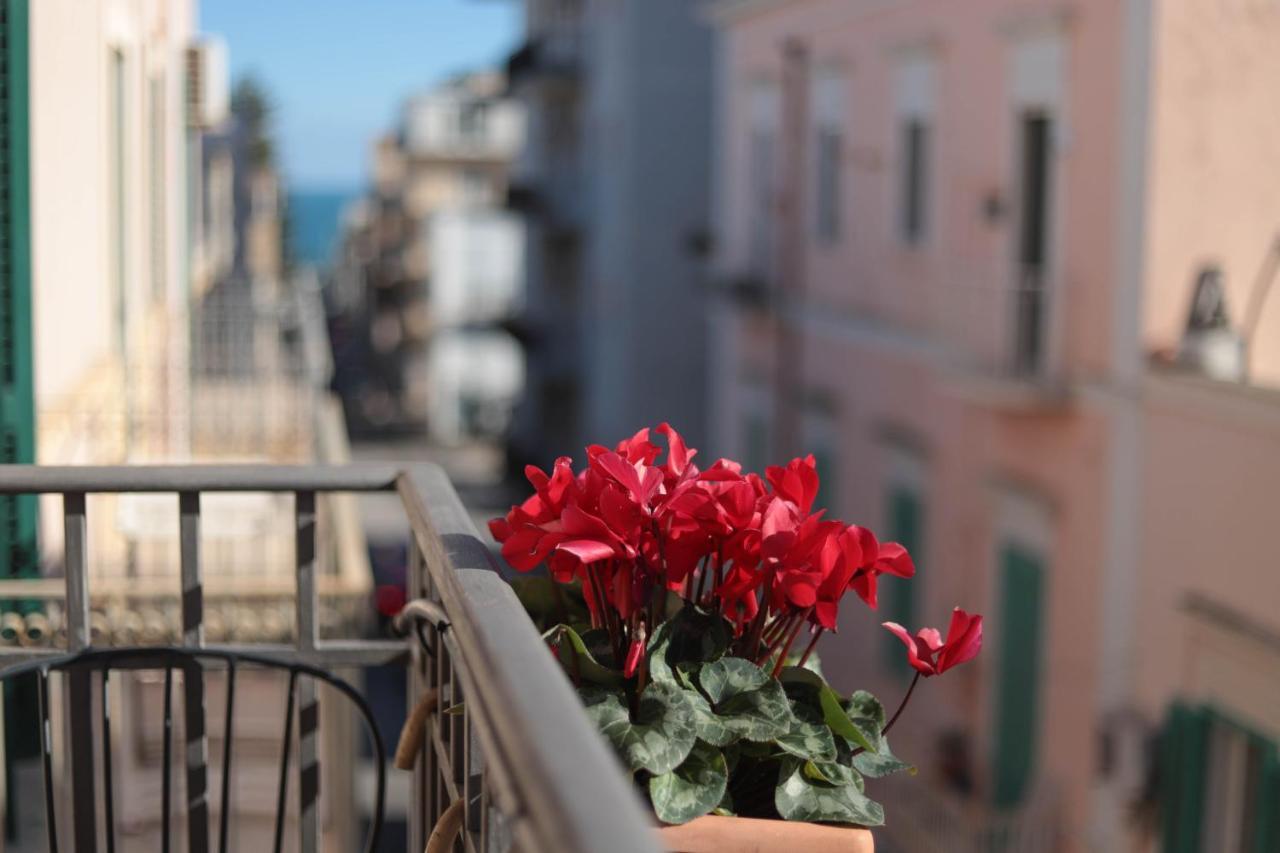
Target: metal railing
x=513, y=751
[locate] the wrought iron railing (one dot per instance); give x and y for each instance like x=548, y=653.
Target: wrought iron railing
x=508, y=755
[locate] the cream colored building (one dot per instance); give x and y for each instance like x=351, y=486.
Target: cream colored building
x=960, y=244
x=140, y=345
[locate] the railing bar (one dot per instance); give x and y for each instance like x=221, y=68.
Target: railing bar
x=283, y=790
x=84, y=803
x=197, y=742
x=305, y=558
x=448, y=789
x=307, y=637
x=50, y=479
x=165, y=806
x=457, y=748
x=422, y=786
x=333, y=653
x=308, y=765
x=228, y=737
x=46, y=759
x=76, y=570
x=444, y=683
x=466, y=774
x=80, y=692
x=108, y=787
x=484, y=809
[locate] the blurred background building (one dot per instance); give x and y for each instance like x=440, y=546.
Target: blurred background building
x=430, y=268
x=149, y=316
x=1006, y=267
x=1003, y=267
x=613, y=183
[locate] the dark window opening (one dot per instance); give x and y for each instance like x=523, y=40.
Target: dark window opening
x=915, y=180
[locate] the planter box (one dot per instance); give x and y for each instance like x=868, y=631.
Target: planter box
x=716, y=834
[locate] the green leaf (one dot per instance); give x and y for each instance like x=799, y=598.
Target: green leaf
x=809, y=737
x=800, y=797
x=577, y=660
x=662, y=733
x=863, y=704
x=864, y=733
x=833, y=773
x=708, y=726
x=549, y=603
x=748, y=702
x=801, y=677
x=882, y=763
x=729, y=677
x=690, y=636
x=600, y=647
x=692, y=789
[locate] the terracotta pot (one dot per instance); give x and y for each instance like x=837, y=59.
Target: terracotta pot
x=716, y=834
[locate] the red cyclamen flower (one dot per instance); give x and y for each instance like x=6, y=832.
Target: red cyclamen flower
x=930, y=655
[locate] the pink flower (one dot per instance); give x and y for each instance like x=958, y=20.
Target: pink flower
x=930, y=655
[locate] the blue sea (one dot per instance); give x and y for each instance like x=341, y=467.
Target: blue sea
x=315, y=219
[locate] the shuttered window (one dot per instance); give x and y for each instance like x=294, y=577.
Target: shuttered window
x=898, y=595
x=1018, y=700
x=17, y=409
x=1220, y=784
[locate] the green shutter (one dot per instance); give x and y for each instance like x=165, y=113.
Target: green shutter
x=17, y=407
x=1183, y=761
x=898, y=596
x=1018, y=700
x=827, y=479
x=755, y=454
x=1268, y=811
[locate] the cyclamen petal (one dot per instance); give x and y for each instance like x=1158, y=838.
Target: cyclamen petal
x=921, y=663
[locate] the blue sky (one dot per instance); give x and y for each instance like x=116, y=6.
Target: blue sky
x=338, y=69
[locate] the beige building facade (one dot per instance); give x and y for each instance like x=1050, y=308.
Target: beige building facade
x=958, y=247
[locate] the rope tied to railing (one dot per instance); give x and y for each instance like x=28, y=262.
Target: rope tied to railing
x=421, y=612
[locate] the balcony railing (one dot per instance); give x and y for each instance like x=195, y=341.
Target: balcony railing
x=509, y=747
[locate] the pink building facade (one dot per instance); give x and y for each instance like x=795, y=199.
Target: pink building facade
x=956, y=239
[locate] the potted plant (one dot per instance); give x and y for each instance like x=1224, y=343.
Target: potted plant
x=685, y=604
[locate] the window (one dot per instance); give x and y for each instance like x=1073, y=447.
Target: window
x=1035, y=131
x=827, y=192
x=828, y=138
x=119, y=194
x=159, y=240
x=915, y=180
x=914, y=105
x=473, y=121
x=1221, y=784
x=755, y=453
x=760, y=165
x=906, y=527
x=1021, y=578
x=761, y=182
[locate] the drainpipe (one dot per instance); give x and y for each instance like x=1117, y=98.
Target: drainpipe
x=788, y=369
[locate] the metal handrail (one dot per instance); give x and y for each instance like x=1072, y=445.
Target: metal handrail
x=520, y=753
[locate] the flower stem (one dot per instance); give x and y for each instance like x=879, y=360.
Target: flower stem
x=791, y=638
x=808, y=650
x=897, y=713
x=757, y=626
x=905, y=700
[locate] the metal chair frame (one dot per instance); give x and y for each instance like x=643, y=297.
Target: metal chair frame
x=191, y=661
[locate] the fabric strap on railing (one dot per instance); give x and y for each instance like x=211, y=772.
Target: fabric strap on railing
x=415, y=731
x=446, y=830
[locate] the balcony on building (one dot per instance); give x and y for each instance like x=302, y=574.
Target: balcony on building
x=508, y=757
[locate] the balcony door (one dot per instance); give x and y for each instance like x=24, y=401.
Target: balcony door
x=1030, y=298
